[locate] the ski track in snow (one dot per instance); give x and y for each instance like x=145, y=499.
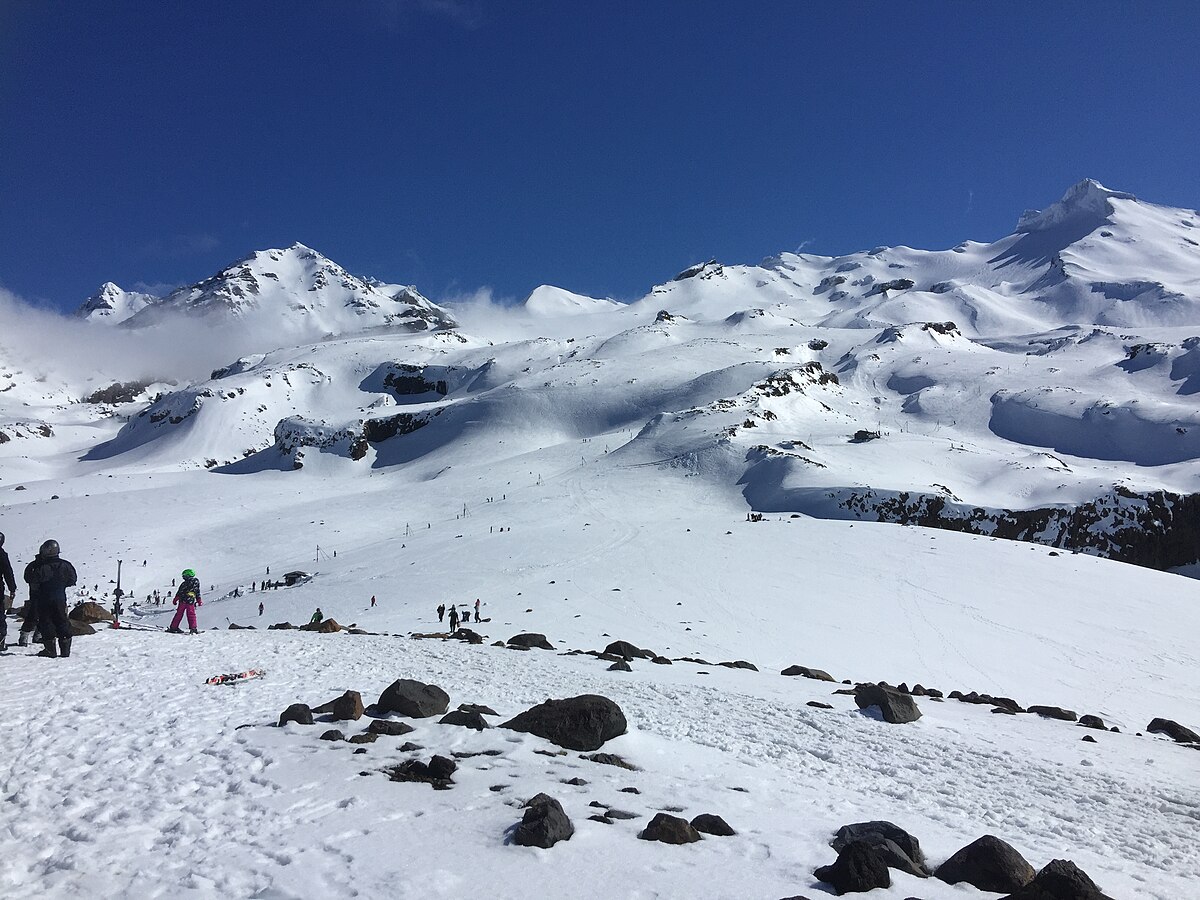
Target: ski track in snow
x=133, y=779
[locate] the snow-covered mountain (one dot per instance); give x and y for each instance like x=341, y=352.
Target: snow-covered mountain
x=112, y=305
x=742, y=470
x=296, y=291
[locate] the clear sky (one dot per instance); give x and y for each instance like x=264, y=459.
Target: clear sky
x=599, y=146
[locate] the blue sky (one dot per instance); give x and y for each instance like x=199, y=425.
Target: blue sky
x=602, y=147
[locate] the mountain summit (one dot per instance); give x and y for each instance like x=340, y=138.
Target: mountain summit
x=113, y=305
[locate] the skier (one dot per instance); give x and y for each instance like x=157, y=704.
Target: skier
x=441, y=611
x=6, y=577
x=316, y=617
x=48, y=577
x=372, y=601
x=260, y=609
x=477, y=619
x=187, y=598
x=453, y=619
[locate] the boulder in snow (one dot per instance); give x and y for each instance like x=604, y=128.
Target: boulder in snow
x=90, y=612
x=577, y=723
x=298, y=713
x=894, y=706
x=530, y=640
x=1173, y=730
x=989, y=864
x=349, y=706
x=708, y=823
x=543, y=824
x=669, y=829
x=414, y=699
x=806, y=672
x=465, y=719
x=1061, y=879
x=859, y=867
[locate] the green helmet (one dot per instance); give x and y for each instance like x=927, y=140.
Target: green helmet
x=189, y=573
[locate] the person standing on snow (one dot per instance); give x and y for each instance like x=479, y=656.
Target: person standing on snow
x=6, y=578
x=372, y=601
x=477, y=619
x=317, y=617
x=441, y=611
x=453, y=619
x=187, y=598
x=260, y=609
x=48, y=577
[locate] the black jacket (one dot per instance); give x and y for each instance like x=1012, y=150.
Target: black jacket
x=189, y=591
x=49, y=577
x=6, y=573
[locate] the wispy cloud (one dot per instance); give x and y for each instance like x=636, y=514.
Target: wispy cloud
x=176, y=246
x=970, y=200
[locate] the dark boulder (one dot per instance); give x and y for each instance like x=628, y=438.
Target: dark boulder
x=904, y=852
x=806, y=672
x=477, y=708
x=414, y=699
x=80, y=629
x=817, y=704
x=989, y=864
x=894, y=706
x=367, y=737
x=610, y=759
x=739, y=664
x=530, y=640
x=333, y=735
x=298, y=713
x=577, y=723
x=626, y=650
x=436, y=772
x=1092, y=722
x=1061, y=879
x=389, y=727
x=1173, y=730
x=859, y=867
x=620, y=666
x=707, y=823
x=90, y=613
x=669, y=830
x=281, y=626
x=325, y=626
x=1054, y=712
x=661, y=661
x=348, y=707
x=465, y=719
x=471, y=637
x=544, y=824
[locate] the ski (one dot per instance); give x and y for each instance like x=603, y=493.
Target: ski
x=235, y=677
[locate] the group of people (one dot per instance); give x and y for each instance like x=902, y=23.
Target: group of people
x=45, y=612
x=455, y=617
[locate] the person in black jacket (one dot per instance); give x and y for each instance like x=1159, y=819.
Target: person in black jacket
x=48, y=577
x=6, y=578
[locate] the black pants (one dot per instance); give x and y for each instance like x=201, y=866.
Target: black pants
x=29, y=622
x=54, y=620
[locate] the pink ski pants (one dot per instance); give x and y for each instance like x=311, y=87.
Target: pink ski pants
x=191, y=614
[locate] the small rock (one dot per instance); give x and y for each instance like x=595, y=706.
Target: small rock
x=477, y=708
x=544, y=824
x=859, y=867
x=806, y=672
x=530, y=640
x=298, y=713
x=367, y=737
x=389, y=727
x=1054, y=712
x=1087, y=738
x=348, y=707
x=1061, y=879
x=707, y=823
x=333, y=735
x=988, y=864
x=414, y=699
x=577, y=781
x=620, y=814
x=465, y=719
x=620, y=666
x=895, y=707
x=817, y=704
x=1092, y=722
x=610, y=759
x=626, y=650
x=669, y=830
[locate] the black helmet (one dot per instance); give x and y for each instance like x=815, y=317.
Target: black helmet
x=48, y=548
x=1, y=538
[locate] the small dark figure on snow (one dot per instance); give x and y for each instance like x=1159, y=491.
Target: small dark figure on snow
x=48, y=577
x=441, y=611
x=372, y=601
x=187, y=598
x=477, y=619
x=453, y=619
x=260, y=609
x=6, y=578
x=117, y=608
x=317, y=617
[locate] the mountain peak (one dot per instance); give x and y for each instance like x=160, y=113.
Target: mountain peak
x=1087, y=202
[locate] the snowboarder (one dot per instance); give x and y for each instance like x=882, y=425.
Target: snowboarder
x=6, y=578
x=48, y=577
x=187, y=598
x=477, y=619
x=453, y=619
x=260, y=609
x=441, y=612
x=372, y=601
x=316, y=617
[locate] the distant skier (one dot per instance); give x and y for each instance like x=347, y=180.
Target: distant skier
x=372, y=601
x=6, y=578
x=453, y=619
x=441, y=612
x=48, y=577
x=317, y=617
x=477, y=619
x=187, y=598
x=260, y=609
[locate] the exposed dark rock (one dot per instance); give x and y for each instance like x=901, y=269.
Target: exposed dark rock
x=620, y=814
x=669, y=830
x=1173, y=730
x=465, y=719
x=599, y=818
x=333, y=735
x=620, y=666
x=530, y=640
x=1061, y=879
x=739, y=664
x=1007, y=703
x=806, y=672
x=626, y=650
x=895, y=707
x=298, y=713
x=859, y=867
x=368, y=737
x=817, y=704
x=79, y=629
x=349, y=706
x=436, y=772
x=989, y=864
x=576, y=781
x=544, y=824
x=904, y=852
x=477, y=708
x=577, y=723
x=414, y=699
x=708, y=823
x=281, y=626
x=1054, y=712
x=610, y=759
x=661, y=661
x=1093, y=722
x=325, y=626
x=389, y=727
x=1089, y=739
x=90, y=613
x=466, y=634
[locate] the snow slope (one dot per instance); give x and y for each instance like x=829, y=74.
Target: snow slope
x=112, y=305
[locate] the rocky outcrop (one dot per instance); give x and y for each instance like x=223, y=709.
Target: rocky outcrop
x=1174, y=731
x=414, y=699
x=989, y=864
x=1060, y=880
x=530, y=640
x=806, y=672
x=577, y=723
x=859, y=867
x=895, y=707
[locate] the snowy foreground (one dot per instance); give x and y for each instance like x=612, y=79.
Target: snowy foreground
x=132, y=778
